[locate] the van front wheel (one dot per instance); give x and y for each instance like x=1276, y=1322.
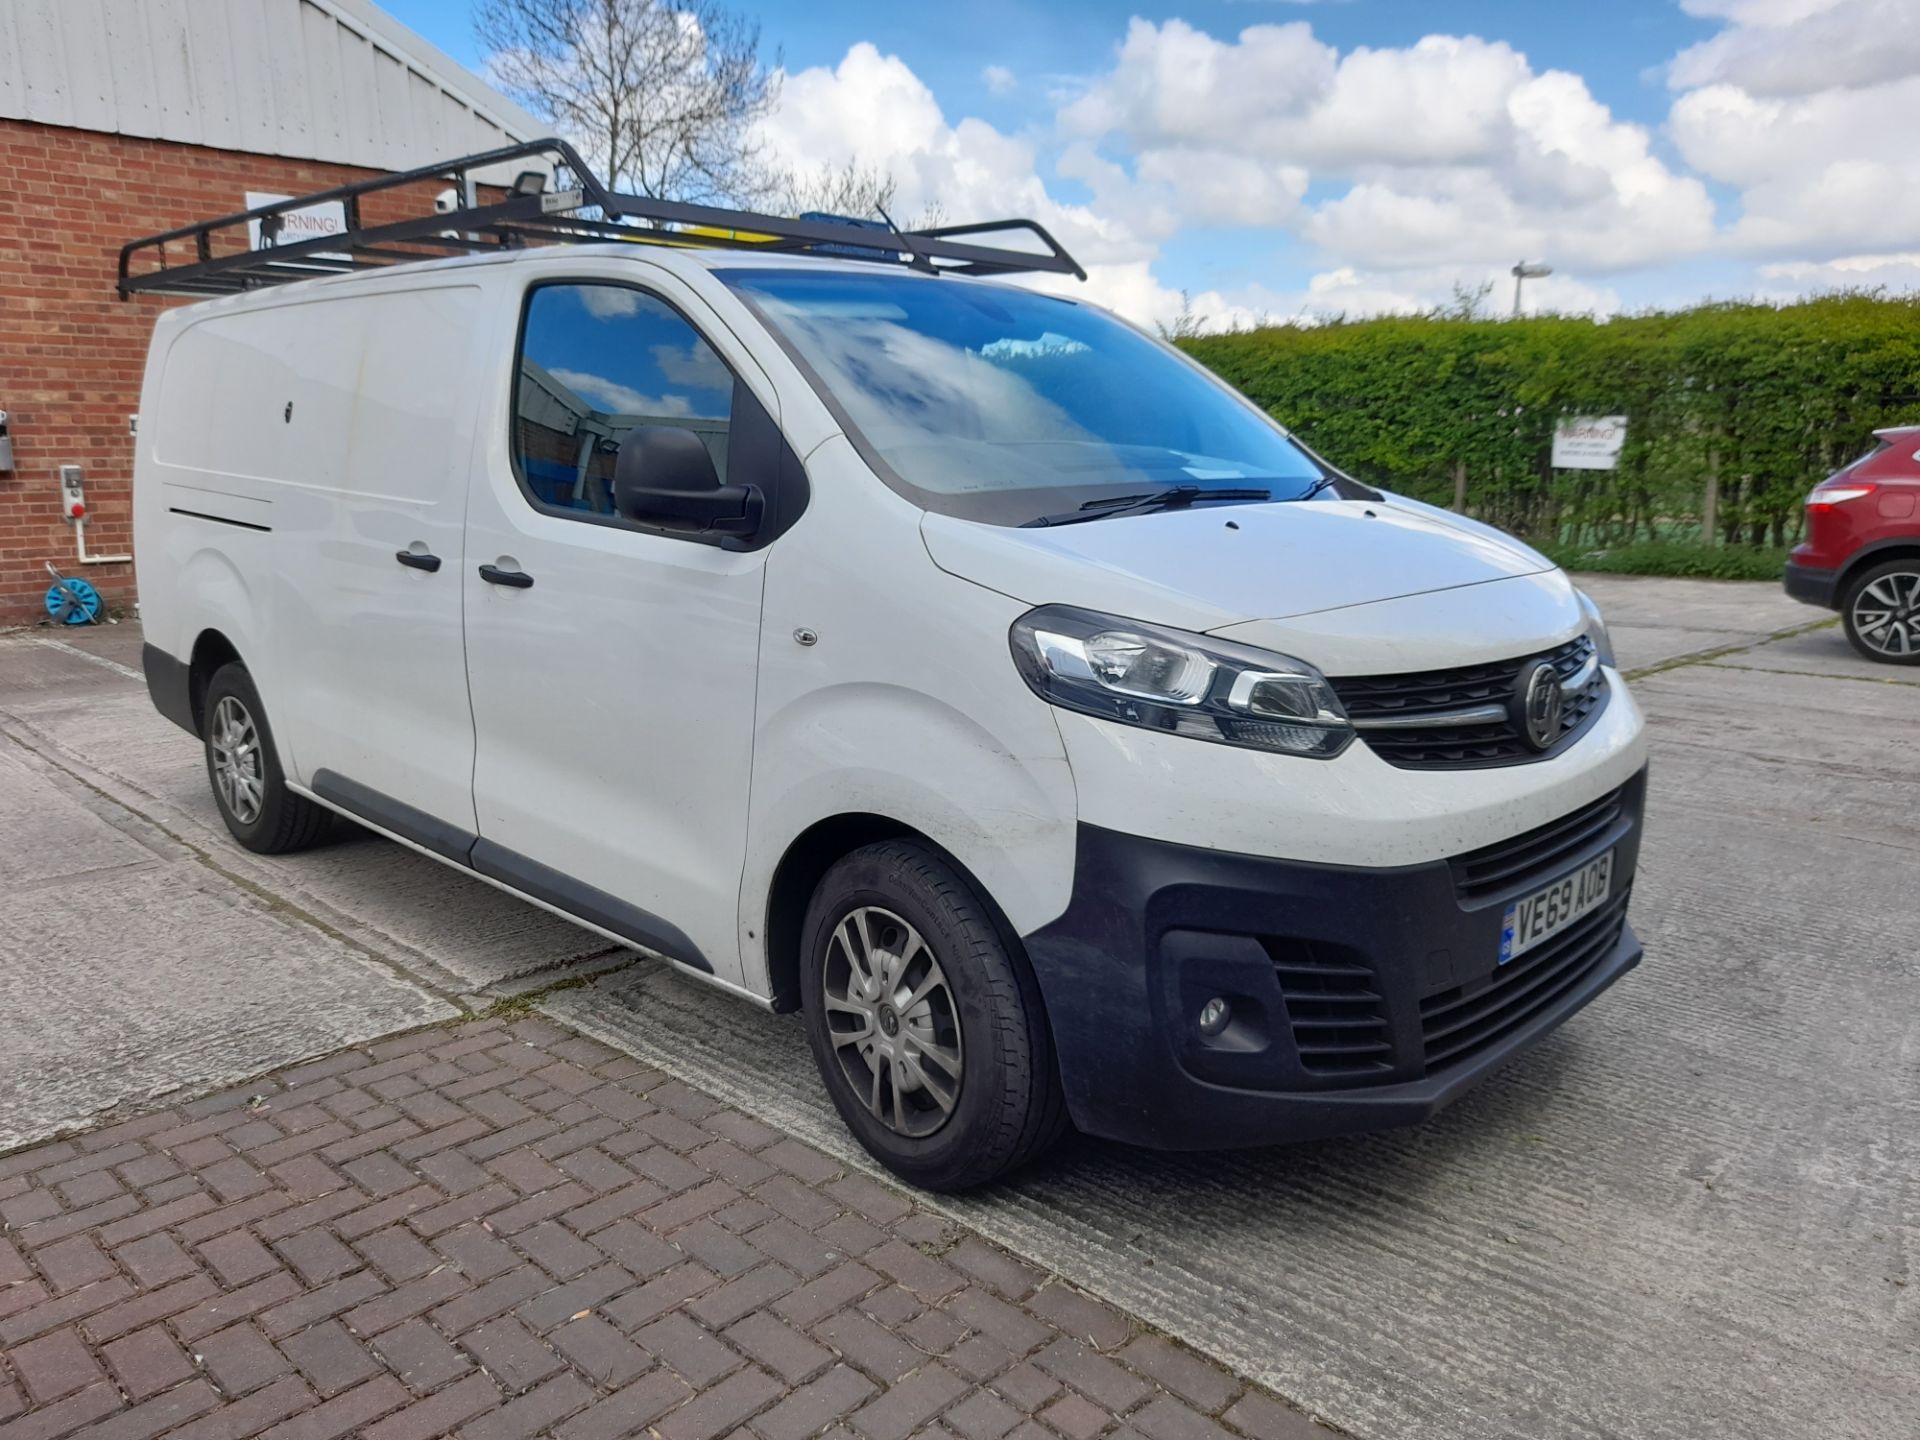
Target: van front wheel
x=925, y=1022
x=244, y=769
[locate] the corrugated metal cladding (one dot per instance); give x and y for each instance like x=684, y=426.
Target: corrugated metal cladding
x=332, y=80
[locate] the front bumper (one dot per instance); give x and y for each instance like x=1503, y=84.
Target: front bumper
x=1363, y=998
x=1813, y=585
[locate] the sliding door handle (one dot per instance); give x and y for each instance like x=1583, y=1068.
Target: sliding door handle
x=494, y=575
x=418, y=560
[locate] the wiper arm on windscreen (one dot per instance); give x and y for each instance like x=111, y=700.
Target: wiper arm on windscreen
x=1173, y=497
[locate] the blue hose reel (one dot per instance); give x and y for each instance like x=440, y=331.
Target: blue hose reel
x=72, y=602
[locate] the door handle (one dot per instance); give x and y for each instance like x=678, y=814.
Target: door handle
x=418, y=560
x=494, y=575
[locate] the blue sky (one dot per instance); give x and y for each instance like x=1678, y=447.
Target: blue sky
x=1297, y=157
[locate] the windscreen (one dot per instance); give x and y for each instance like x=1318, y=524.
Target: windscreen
x=1002, y=404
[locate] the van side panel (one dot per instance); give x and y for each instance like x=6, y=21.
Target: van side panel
x=906, y=708
x=194, y=574
x=153, y=574
x=298, y=444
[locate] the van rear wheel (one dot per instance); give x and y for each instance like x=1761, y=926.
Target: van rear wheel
x=925, y=1021
x=244, y=769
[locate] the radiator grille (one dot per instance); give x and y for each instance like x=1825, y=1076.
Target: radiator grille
x=1409, y=699
x=1459, y=1022
x=1537, y=855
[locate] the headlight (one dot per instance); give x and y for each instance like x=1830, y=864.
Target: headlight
x=1162, y=679
x=1597, y=627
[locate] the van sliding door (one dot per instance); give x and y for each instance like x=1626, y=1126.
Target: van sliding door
x=370, y=532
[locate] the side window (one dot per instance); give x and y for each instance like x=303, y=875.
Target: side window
x=596, y=361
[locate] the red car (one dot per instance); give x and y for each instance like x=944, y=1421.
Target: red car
x=1862, y=552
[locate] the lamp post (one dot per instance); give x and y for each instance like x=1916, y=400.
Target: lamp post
x=1527, y=270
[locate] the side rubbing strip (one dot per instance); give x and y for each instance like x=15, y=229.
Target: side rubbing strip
x=389, y=814
x=218, y=520
x=509, y=867
x=596, y=907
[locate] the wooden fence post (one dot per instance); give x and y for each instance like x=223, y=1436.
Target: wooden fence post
x=1710, y=502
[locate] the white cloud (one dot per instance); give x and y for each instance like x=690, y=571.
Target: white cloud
x=694, y=364
x=613, y=398
x=1797, y=47
x=1346, y=290
x=1801, y=106
x=1398, y=172
x=1455, y=150
x=1758, y=12
x=1849, y=270
x=873, y=110
x=609, y=302
x=1782, y=281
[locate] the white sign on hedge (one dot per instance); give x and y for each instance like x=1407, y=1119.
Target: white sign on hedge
x=1589, y=442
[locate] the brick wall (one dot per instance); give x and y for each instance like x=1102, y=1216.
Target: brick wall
x=71, y=351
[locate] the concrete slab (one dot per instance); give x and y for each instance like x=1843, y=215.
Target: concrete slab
x=1655, y=620
x=1824, y=652
x=1645, y=647
x=1757, y=607
x=1690, y=1213
x=1774, y=718
x=50, y=835
x=119, y=643
x=130, y=970
x=459, y=929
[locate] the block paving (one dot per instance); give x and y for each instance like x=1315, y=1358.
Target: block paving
x=502, y=1229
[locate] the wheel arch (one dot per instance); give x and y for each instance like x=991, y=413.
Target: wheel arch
x=1872, y=556
x=802, y=866
x=805, y=863
x=211, y=650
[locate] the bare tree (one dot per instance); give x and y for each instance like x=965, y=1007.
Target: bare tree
x=861, y=192
x=661, y=94
x=854, y=189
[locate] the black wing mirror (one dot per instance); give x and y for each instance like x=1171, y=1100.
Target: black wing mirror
x=665, y=477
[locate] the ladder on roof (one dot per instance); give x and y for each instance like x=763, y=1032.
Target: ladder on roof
x=220, y=257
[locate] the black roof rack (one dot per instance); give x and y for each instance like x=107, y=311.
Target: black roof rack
x=219, y=257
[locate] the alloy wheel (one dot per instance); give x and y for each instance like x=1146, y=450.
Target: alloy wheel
x=239, y=768
x=893, y=1021
x=1886, y=615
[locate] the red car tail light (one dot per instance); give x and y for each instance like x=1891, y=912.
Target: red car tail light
x=1825, y=497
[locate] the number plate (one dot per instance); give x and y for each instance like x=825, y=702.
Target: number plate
x=1534, y=919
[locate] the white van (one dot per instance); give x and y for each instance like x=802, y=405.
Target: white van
x=947, y=661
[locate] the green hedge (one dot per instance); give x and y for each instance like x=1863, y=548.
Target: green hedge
x=1735, y=410
x=1690, y=559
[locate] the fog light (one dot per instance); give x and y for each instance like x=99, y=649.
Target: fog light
x=1214, y=1016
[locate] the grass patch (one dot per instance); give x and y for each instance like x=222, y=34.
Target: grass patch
x=1683, y=559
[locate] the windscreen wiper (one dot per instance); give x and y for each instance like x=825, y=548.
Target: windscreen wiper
x=1324, y=482
x=1173, y=497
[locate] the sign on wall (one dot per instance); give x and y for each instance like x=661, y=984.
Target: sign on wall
x=296, y=225
x=1589, y=442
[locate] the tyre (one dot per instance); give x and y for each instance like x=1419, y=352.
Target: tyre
x=925, y=1020
x=1882, y=613
x=244, y=770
